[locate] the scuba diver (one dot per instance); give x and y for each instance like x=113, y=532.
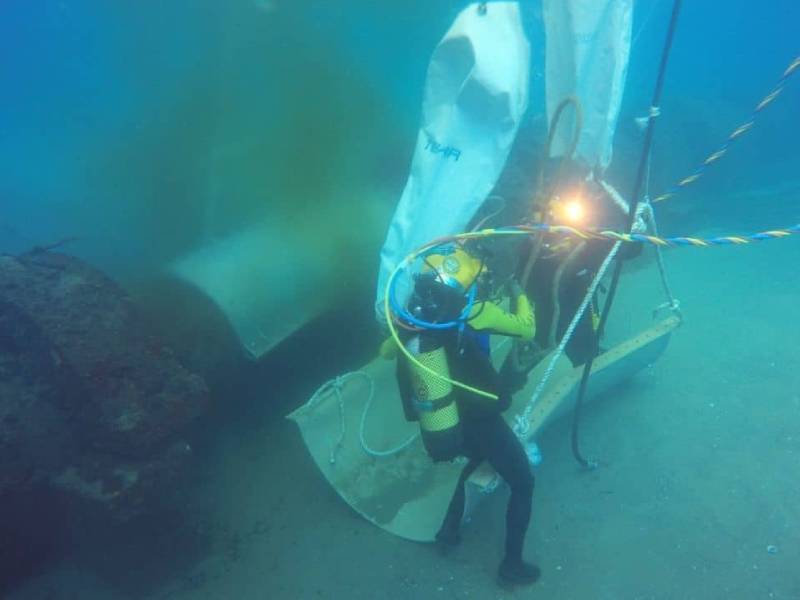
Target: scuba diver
x=556, y=269
x=453, y=289
x=476, y=95
x=566, y=265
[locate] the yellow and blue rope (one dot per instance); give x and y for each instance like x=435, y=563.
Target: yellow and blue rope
x=562, y=229
x=793, y=67
x=725, y=240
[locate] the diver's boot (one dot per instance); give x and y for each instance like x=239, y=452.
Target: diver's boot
x=518, y=571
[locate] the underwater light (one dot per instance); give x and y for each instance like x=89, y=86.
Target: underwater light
x=574, y=211
x=570, y=211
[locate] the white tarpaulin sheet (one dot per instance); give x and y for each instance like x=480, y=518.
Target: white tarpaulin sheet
x=476, y=93
x=586, y=55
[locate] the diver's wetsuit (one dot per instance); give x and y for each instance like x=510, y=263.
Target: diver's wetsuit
x=574, y=282
x=486, y=435
x=575, y=279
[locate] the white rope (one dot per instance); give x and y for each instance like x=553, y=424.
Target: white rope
x=522, y=421
x=335, y=386
x=615, y=196
x=647, y=213
x=639, y=224
x=364, y=445
x=672, y=303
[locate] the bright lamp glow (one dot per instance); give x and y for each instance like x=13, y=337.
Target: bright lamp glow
x=574, y=211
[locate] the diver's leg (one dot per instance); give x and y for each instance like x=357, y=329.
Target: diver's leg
x=507, y=456
x=449, y=533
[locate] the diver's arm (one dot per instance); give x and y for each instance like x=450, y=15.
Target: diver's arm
x=487, y=316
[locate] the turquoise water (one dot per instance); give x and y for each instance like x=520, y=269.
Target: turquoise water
x=147, y=132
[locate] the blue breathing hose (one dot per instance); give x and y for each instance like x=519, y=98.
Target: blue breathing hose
x=406, y=316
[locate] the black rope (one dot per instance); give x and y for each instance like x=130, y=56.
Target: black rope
x=637, y=188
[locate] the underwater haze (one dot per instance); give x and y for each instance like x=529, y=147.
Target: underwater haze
x=193, y=200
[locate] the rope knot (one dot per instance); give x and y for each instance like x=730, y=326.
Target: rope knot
x=673, y=305
x=644, y=209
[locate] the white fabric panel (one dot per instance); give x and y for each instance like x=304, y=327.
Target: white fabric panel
x=586, y=54
x=476, y=93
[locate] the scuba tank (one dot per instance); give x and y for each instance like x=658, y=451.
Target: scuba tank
x=431, y=401
x=442, y=295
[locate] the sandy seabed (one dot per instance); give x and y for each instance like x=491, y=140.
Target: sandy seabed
x=697, y=494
